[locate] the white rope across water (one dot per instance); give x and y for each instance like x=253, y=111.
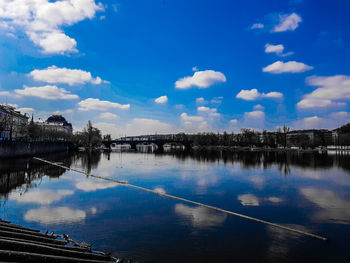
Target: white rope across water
x=188, y=201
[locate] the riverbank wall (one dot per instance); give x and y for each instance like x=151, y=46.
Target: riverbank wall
x=10, y=149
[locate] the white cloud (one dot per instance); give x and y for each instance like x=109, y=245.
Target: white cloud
x=254, y=94
x=258, y=107
x=161, y=99
x=185, y=117
x=200, y=217
x=288, y=23
x=148, y=126
x=254, y=119
x=233, y=122
x=217, y=100
x=62, y=112
x=54, y=74
x=26, y=110
x=272, y=95
x=313, y=122
x=43, y=20
x=42, y=197
x=49, y=92
x=8, y=94
x=5, y=93
x=201, y=101
x=137, y=126
x=287, y=67
x=212, y=112
x=318, y=103
x=92, y=186
x=194, y=69
x=100, y=105
x=108, y=115
x=255, y=114
x=58, y=215
x=248, y=200
x=200, y=79
x=331, y=121
x=257, y=26
x=330, y=90
x=278, y=49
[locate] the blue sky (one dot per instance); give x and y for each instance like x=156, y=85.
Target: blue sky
x=140, y=67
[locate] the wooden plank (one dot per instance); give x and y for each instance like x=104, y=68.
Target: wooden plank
x=31, y=237
x=39, y=258
x=80, y=249
x=46, y=250
x=24, y=231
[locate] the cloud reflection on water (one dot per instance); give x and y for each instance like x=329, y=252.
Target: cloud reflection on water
x=58, y=215
x=92, y=185
x=335, y=209
x=43, y=197
x=200, y=217
x=248, y=199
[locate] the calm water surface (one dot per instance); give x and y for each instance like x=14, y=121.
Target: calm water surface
x=306, y=191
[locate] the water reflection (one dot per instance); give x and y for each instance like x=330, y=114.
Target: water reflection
x=42, y=197
x=334, y=208
x=306, y=189
x=57, y=215
x=200, y=217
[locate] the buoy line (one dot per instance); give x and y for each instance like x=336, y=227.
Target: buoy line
x=188, y=201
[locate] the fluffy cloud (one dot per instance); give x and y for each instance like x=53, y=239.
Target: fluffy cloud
x=331, y=89
x=42, y=197
x=54, y=74
x=254, y=94
x=233, y=122
x=201, y=101
x=200, y=79
x=161, y=99
x=48, y=92
x=58, y=215
x=257, y=26
x=287, y=67
x=288, y=23
x=185, y=117
x=318, y=103
x=212, y=112
x=258, y=107
x=255, y=114
x=108, y=115
x=43, y=20
x=100, y=105
x=278, y=49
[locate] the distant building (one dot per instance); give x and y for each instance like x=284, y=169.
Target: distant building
x=11, y=122
x=310, y=138
x=56, y=123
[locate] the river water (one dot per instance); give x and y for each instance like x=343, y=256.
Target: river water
x=307, y=191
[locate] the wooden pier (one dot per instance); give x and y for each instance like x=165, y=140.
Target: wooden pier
x=20, y=244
